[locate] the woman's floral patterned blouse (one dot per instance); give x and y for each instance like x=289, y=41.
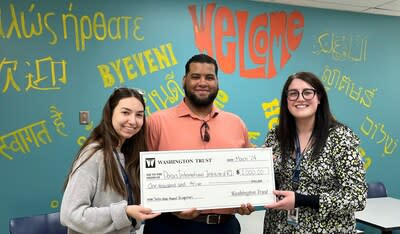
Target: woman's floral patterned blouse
x=337, y=176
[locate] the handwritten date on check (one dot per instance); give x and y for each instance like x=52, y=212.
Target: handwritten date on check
x=206, y=179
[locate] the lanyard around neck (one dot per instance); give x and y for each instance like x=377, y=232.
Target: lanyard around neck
x=126, y=179
x=128, y=186
x=296, y=171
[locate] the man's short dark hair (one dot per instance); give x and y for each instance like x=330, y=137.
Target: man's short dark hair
x=201, y=58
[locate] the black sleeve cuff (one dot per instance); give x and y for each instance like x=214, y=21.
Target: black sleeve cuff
x=301, y=200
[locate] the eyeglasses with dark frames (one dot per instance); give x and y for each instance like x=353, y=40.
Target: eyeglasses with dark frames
x=205, y=136
x=308, y=94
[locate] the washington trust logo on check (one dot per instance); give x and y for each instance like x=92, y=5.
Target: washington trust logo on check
x=150, y=162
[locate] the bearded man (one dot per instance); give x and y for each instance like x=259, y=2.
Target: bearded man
x=192, y=125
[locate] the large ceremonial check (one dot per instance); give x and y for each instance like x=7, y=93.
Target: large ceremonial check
x=206, y=179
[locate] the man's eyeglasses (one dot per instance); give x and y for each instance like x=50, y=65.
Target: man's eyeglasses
x=205, y=136
x=308, y=94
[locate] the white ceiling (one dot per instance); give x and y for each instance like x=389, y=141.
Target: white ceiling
x=380, y=7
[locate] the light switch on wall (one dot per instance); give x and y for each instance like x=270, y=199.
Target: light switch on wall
x=83, y=117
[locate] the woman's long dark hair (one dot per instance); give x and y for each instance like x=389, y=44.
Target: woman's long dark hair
x=324, y=120
x=107, y=139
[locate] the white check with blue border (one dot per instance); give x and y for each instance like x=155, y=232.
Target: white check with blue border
x=206, y=179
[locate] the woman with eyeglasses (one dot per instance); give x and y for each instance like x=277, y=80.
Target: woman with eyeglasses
x=319, y=174
x=102, y=191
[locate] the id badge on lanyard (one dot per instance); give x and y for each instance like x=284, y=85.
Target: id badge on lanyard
x=293, y=214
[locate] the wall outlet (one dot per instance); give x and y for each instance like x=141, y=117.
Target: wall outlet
x=83, y=117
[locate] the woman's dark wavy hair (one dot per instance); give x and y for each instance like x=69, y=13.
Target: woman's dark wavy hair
x=107, y=139
x=324, y=119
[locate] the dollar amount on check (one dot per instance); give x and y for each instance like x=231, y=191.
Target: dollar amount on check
x=206, y=179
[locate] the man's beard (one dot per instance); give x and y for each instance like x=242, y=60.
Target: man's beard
x=200, y=102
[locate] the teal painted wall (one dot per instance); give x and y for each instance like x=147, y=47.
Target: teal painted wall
x=58, y=58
